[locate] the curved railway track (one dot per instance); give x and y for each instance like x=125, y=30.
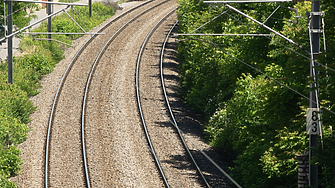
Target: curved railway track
x=166, y=100
x=58, y=96
x=86, y=93
x=95, y=108
x=174, y=122
x=93, y=102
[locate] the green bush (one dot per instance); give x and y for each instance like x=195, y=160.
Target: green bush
x=257, y=123
x=10, y=162
x=40, y=59
x=12, y=131
x=262, y=135
x=5, y=182
x=15, y=102
x=54, y=51
x=14, y=114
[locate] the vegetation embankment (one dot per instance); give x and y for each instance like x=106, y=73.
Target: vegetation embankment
x=255, y=122
x=39, y=58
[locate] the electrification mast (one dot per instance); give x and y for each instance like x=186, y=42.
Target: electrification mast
x=313, y=118
x=10, y=34
x=10, y=41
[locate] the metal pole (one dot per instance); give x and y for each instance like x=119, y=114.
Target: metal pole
x=49, y=11
x=4, y=13
x=90, y=8
x=10, y=42
x=315, y=34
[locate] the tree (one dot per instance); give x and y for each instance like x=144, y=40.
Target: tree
x=21, y=18
x=258, y=122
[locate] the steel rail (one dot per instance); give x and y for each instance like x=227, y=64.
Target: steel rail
x=169, y=107
x=139, y=101
x=91, y=75
x=59, y=89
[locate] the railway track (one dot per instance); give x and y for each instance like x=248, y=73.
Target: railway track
x=107, y=124
x=95, y=138
x=173, y=121
x=60, y=169
x=63, y=167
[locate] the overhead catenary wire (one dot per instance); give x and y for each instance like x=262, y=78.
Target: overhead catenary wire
x=225, y=34
x=272, y=40
x=5, y=17
x=74, y=21
x=327, y=76
x=265, y=26
x=27, y=27
x=50, y=2
x=273, y=13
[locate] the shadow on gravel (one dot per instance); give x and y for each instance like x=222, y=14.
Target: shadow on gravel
x=191, y=124
x=180, y=162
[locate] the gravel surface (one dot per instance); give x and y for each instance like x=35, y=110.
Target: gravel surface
x=191, y=124
x=168, y=146
x=117, y=151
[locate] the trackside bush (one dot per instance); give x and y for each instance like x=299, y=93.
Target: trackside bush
x=40, y=58
x=257, y=123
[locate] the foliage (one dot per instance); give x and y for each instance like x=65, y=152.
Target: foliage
x=325, y=159
x=27, y=70
x=326, y=149
x=63, y=24
x=22, y=14
x=203, y=67
x=253, y=120
x=14, y=114
x=258, y=134
x=4, y=182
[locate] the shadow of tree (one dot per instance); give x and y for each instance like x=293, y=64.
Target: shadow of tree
x=191, y=125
